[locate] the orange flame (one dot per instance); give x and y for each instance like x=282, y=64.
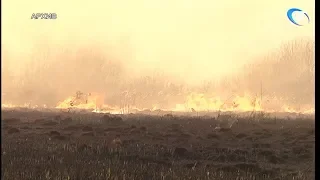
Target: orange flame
x=82, y=101
x=201, y=102
x=194, y=101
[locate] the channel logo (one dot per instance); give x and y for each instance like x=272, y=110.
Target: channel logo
x=298, y=17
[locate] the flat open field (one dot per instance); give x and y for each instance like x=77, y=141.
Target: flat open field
x=60, y=145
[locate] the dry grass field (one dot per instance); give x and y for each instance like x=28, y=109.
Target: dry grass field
x=55, y=145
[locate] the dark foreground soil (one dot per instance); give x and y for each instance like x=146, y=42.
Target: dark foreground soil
x=44, y=145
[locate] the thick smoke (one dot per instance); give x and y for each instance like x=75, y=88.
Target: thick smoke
x=286, y=73
x=155, y=53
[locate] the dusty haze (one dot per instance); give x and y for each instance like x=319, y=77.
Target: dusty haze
x=110, y=46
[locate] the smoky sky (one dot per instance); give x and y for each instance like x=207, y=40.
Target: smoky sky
x=192, y=41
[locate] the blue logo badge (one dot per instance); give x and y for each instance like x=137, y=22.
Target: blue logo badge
x=292, y=19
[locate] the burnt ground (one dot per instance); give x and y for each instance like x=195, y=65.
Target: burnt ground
x=52, y=145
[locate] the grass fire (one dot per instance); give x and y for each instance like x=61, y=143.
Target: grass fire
x=157, y=90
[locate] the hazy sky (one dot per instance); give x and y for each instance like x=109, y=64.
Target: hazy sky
x=211, y=37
